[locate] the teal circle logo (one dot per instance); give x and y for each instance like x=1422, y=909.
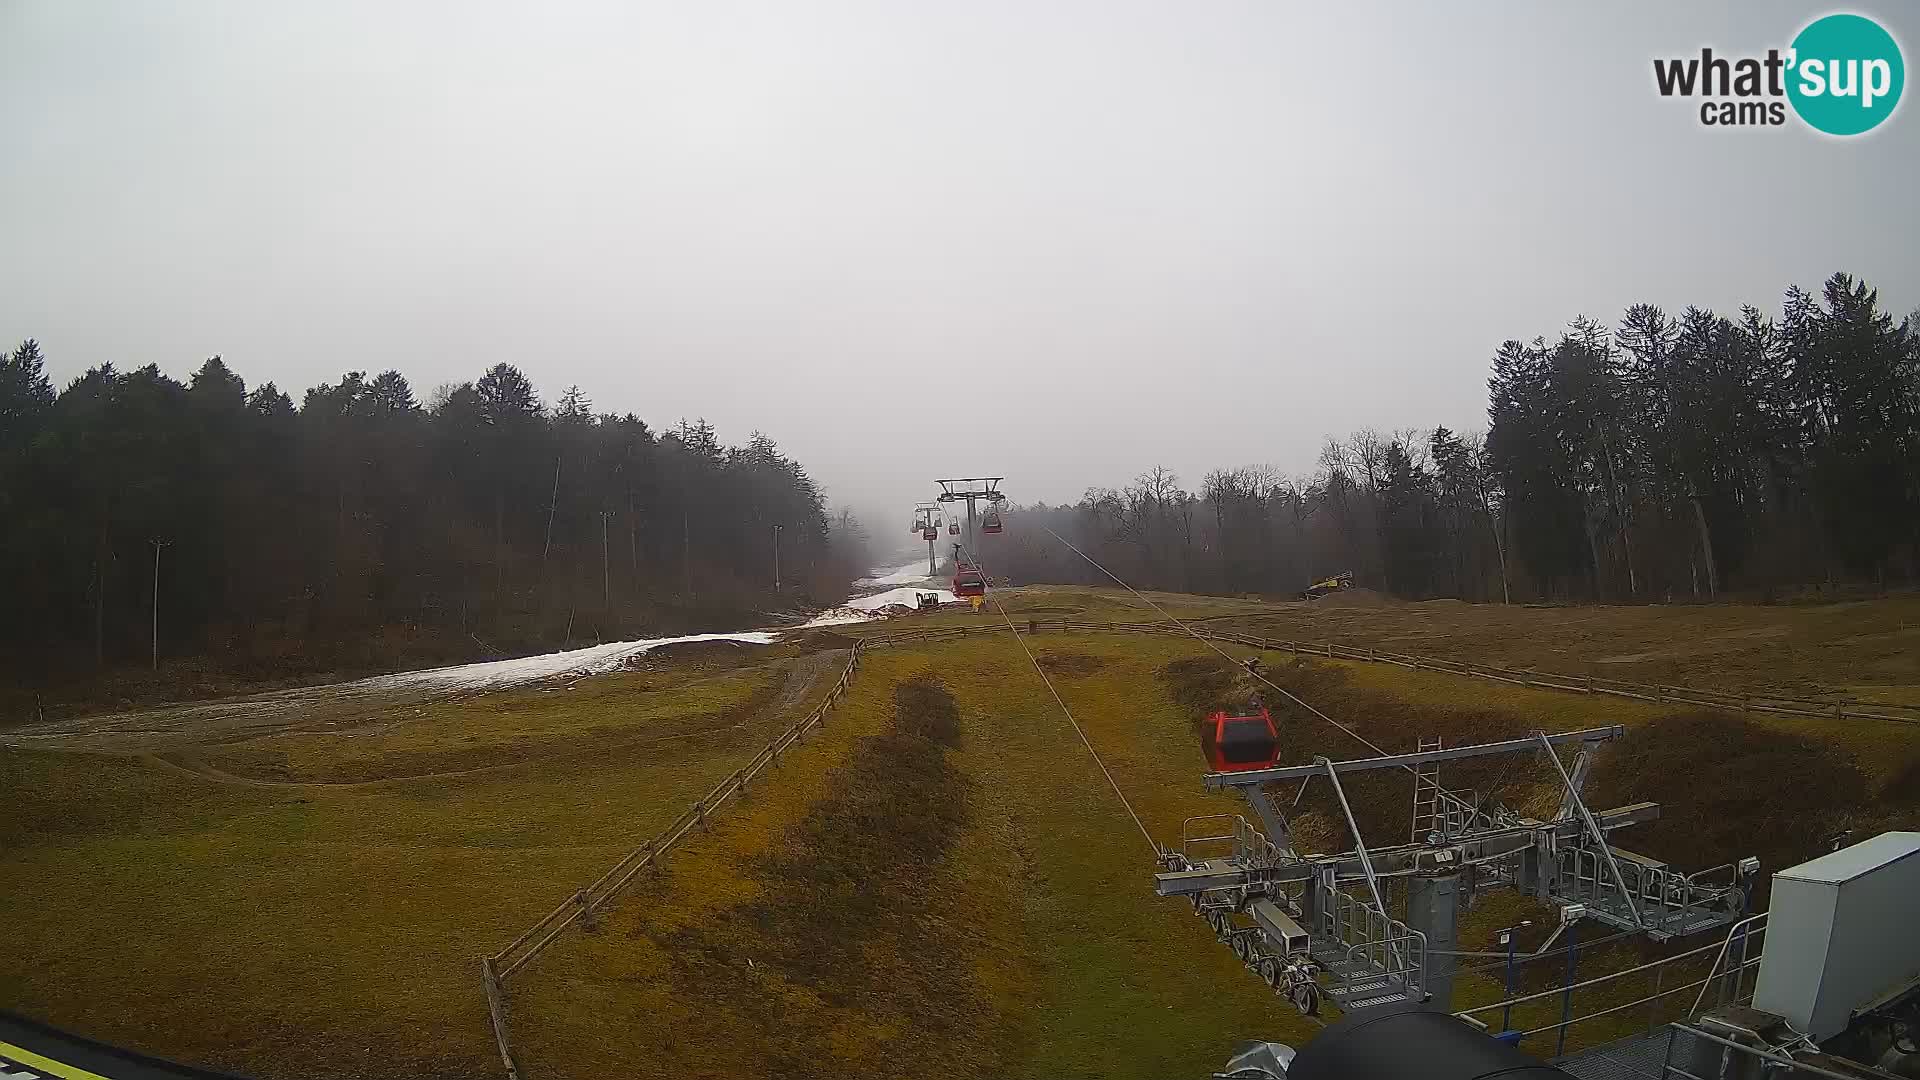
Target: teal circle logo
x=1846, y=74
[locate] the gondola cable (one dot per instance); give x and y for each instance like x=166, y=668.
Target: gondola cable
x=1067, y=712
x=1283, y=691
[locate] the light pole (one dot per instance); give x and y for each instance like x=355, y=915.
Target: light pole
x=157, y=545
x=776, y=558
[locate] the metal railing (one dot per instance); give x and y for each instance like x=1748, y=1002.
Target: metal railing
x=1741, y=936
x=1373, y=943
x=1201, y=838
x=1666, y=898
x=1725, y=981
x=1771, y=1055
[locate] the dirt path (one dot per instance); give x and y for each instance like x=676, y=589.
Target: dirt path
x=806, y=673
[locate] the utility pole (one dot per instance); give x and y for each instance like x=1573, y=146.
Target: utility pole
x=553, y=504
x=157, y=545
x=686, y=552
x=776, y=558
x=606, y=571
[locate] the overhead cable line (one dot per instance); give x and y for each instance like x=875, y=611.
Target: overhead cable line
x=1283, y=691
x=1058, y=700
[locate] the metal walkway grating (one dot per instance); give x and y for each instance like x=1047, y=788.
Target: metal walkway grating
x=1636, y=1057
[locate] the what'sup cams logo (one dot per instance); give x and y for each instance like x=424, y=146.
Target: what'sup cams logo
x=1842, y=76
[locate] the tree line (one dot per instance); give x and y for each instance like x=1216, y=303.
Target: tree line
x=364, y=526
x=1673, y=457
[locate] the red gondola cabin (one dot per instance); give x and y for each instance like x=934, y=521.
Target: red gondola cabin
x=1240, y=743
x=968, y=582
x=992, y=523
x=929, y=533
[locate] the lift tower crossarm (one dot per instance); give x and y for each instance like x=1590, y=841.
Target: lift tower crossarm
x=1399, y=859
x=978, y=487
x=1217, y=781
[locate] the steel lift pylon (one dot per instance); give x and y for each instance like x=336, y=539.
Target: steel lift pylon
x=1322, y=925
x=927, y=519
x=971, y=490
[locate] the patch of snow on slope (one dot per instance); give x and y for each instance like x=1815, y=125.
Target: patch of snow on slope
x=838, y=617
x=594, y=660
x=908, y=596
x=899, y=575
x=862, y=608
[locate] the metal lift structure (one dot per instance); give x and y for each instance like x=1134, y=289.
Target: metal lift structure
x=972, y=490
x=1314, y=925
x=927, y=518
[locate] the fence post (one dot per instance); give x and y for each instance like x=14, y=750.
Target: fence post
x=1371, y=655
x=1746, y=704
x=1329, y=650
x=700, y=812
x=1836, y=712
x=1589, y=682
x=497, y=1013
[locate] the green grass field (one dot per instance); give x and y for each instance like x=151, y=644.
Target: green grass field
x=940, y=879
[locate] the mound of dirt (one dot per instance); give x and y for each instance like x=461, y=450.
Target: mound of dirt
x=1357, y=598
x=1903, y=791
x=1729, y=787
x=850, y=928
x=697, y=650
x=1199, y=684
x=1056, y=662
x=825, y=639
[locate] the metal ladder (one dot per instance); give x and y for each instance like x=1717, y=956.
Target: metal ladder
x=1426, y=792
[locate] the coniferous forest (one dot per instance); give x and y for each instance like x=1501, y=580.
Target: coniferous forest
x=1671, y=457
x=363, y=528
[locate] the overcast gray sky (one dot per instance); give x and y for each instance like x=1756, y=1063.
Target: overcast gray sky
x=1057, y=241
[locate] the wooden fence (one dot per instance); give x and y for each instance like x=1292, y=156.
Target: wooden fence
x=495, y=970
x=1744, y=702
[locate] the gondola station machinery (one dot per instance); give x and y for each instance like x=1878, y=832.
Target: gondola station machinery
x=1316, y=926
x=1837, y=990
